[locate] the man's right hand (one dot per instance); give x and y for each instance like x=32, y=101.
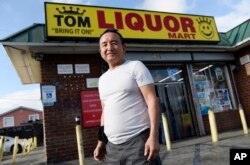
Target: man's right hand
x=100, y=152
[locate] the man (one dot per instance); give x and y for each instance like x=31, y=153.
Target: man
x=130, y=108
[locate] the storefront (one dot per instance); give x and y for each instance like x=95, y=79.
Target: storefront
x=195, y=68
x=189, y=84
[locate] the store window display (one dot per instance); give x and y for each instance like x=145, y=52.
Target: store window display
x=213, y=87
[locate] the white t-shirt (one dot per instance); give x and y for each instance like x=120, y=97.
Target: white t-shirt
x=125, y=110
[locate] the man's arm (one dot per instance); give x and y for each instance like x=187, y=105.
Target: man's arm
x=152, y=146
x=102, y=118
x=100, y=150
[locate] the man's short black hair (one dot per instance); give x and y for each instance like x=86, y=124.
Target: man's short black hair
x=112, y=31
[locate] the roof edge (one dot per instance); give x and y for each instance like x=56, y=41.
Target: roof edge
x=20, y=107
x=21, y=31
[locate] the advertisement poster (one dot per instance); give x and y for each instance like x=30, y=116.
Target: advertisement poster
x=172, y=72
x=224, y=102
x=203, y=90
x=204, y=102
x=91, y=108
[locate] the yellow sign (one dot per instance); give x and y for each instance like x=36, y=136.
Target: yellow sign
x=78, y=21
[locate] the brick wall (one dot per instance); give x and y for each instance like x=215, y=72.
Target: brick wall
x=224, y=121
x=60, y=135
x=243, y=84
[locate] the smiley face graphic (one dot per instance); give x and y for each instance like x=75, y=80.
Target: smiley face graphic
x=205, y=28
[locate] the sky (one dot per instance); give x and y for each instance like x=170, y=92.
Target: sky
x=16, y=15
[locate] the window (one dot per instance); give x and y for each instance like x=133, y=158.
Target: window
x=34, y=117
x=213, y=87
x=8, y=121
x=165, y=74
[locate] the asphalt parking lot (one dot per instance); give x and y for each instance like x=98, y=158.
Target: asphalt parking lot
x=195, y=151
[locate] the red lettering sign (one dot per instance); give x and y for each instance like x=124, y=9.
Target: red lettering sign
x=152, y=22
x=80, y=21
x=91, y=108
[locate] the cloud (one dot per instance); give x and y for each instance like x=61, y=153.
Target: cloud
x=227, y=22
x=86, y=2
x=66, y=1
x=176, y=6
x=239, y=10
x=27, y=98
x=239, y=14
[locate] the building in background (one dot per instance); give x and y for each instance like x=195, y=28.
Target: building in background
x=195, y=68
x=18, y=116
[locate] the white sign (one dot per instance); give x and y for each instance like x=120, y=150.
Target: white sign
x=48, y=94
x=82, y=68
x=245, y=59
x=65, y=69
x=92, y=82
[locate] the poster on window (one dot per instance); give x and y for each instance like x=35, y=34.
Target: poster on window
x=224, y=102
x=204, y=102
x=203, y=89
x=172, y=71
x=91, y=108
x=202, y=86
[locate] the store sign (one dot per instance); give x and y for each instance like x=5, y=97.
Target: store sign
x=91, y=108
x=78, y=21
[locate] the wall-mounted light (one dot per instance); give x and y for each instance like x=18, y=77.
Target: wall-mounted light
x=37, y=56
x=77, y=119
x=245, y=59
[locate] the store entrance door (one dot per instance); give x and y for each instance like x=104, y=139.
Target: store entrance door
x=173, y=98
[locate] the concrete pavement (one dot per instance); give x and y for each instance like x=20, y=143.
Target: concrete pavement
x=195, y=151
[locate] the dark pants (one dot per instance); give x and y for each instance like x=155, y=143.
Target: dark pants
x=131, y=152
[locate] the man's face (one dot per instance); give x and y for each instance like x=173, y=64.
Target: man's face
x=111, y=48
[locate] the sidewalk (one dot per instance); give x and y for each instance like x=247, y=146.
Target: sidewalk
x=195, y=151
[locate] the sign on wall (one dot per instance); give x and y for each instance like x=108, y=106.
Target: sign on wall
x=91, y=108
x=64, y=68
x=92, y=82
x=82, y=68
x=48, y=95
x=78, y=21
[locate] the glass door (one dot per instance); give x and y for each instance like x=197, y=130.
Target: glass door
x=174, y=100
